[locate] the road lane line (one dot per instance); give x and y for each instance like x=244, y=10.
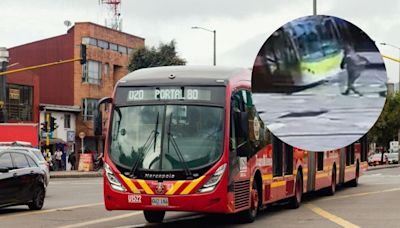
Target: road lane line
x=96, y=221
x=331, y=217
x=49, y=210
x=360, y=194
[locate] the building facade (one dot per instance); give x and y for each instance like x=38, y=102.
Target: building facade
x=72, y=85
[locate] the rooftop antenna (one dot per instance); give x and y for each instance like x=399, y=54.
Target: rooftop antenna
x=113, y=19
x=67, y=23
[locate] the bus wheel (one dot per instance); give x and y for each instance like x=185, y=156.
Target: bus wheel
x=250, y=214
x=154, y=216
x=295, y=201
x=330, y=191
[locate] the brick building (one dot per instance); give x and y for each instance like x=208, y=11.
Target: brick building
x=22, y=98
x=74, y=88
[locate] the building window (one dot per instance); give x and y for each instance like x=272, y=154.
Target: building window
x=130, y=51
x=67, y=120
x=91, y=72
x=89, y=40
x=106, y=69
x=19, y=102
x=102, y=44
x=113, y=47
x=122, y=49
x=88, y=107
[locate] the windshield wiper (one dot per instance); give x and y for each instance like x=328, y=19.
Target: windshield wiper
x=176, y=148
x=146, y=146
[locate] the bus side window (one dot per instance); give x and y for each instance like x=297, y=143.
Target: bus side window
x=277, y=156
x=350, y=155
x=288, y=166
x=320, y=161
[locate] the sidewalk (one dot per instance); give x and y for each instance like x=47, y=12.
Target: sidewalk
x=370, y=168
x=75, y=174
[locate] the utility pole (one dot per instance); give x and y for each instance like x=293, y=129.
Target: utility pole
x=4, y=55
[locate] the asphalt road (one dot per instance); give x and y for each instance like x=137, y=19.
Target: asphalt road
x=78, y=203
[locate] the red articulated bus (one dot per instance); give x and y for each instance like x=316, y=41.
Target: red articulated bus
x=190, y=139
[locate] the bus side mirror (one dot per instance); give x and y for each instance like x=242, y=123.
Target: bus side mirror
x=98, y=116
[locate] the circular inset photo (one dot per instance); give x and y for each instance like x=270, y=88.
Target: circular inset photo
x=319, y=83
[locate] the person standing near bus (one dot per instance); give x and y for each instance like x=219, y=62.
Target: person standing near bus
x=354, y=64
x=58, y=155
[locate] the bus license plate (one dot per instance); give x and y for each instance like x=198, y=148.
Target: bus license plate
x=159, y=201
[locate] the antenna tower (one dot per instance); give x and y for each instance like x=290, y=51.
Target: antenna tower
x=113, y=8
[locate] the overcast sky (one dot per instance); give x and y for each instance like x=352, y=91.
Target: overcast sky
x=242, y=26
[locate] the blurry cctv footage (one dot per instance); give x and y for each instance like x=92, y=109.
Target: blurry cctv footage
x=319, y=83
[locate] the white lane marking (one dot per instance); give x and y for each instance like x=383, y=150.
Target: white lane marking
x=50, y=210
x=102, y=220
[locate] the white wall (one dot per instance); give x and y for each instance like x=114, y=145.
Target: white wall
x=61, y=131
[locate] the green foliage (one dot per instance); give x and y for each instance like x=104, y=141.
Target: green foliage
x=388, y=123
x=164, y=55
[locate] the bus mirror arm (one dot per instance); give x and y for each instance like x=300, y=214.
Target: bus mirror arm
x=98, y=116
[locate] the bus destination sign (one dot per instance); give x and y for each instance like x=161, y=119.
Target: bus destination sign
x=182, y=93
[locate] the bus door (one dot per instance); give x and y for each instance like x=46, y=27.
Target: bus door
x=342, y=164
x=311, y=171
x=350, y=160
x=239, y=153
x=278, y=186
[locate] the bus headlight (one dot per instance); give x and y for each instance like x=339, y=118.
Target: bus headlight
x=214, y=180
x=112, y=179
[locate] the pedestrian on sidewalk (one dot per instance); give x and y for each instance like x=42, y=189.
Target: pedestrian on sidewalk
x=354, y=64
x=58, y=156
x=72, y=160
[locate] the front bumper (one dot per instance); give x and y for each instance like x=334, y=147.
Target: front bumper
x=213, y=202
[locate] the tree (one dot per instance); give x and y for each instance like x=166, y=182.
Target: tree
x=164, y=55
x=387, y=125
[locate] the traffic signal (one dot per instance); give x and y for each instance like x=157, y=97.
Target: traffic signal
x=83, y=54
x=44, y=126
x=53, y=124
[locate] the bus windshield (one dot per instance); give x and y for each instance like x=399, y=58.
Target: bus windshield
x=166, y=137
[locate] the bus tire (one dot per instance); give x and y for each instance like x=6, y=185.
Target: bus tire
x=354, y=182
x=295, y=201
x=330, y=191
x=249, y=215
x=154, y=216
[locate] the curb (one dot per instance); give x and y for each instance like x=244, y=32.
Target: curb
x=75, y=175
x=371, y=168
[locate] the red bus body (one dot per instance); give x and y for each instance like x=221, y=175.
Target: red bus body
x=234, y=196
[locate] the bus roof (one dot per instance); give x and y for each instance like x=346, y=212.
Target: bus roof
x=184, y=75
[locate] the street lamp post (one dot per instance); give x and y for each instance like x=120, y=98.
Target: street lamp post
x=3, y=67
x=215, y=42
x=398, y=48
x=314, y=7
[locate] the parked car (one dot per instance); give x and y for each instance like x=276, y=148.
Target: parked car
x=376, y=159
x=38, y=154
x=22, y=181
x=393, y=158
